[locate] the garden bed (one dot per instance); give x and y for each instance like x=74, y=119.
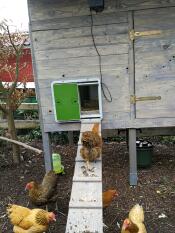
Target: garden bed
x=155, y=190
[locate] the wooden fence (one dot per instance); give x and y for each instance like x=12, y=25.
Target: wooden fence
x=23, y=124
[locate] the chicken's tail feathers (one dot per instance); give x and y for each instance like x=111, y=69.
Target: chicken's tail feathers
x=51, y=173
x=95, y=128
x=136, y=214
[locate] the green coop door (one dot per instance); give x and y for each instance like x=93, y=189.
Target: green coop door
x=66, y=101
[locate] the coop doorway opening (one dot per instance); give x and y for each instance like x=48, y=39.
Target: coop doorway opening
x=89, y=99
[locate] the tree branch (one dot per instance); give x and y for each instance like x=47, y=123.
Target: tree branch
x=22, y=144
x=18, y=54
x=12, y=88
x=10, y=38
x=3, y=109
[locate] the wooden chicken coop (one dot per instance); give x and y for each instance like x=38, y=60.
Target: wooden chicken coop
x=112, y=60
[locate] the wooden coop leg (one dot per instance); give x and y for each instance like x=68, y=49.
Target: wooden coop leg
x=45, y=136
x=71, y=137
x=132, y=157
x=47, y=151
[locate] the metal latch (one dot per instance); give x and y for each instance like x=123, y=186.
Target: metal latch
x=133, y=34
x=134, y=99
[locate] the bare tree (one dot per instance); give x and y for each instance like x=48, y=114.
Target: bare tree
x=11, y=50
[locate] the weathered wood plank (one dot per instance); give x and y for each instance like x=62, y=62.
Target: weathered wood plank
x=87, y=51
x=54, y=35
x=84, y=220
x=81, y=175
x=64, y=8
x=115, y=123
x=120, y=74
x=107, y=116
x=27, y=106
x=120, y=60
x=159, y=50
x=81, y=21
x=85, y=41
x=21, y=124
x=88, y=196
x=155, y=13
x=71, y=8
x=134, y=4
x=110, y=73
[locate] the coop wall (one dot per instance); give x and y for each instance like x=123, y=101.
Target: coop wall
x=63, y=49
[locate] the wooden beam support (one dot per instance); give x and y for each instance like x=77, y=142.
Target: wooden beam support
x=21, y=124
x=45, y=136
x=71, y=137
x=47, y=151
x=132, y=157
x=131, y=65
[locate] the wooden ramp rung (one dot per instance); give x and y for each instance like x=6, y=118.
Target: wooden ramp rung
x=88, y=196
x=84, y=220
x=80, y=173
x=85, y=206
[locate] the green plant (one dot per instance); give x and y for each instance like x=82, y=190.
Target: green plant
x=29, y=135
x=59, y=137
x=26, y=114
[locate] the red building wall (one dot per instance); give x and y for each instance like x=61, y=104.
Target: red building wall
x=26, y=72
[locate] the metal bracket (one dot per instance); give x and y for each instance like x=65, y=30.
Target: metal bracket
x=133, y=34
x=134, y=99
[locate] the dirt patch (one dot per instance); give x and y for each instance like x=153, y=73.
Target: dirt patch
x=155, y=190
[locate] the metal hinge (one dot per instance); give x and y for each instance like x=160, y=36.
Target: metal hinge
x=134, y=99
x=133, y=34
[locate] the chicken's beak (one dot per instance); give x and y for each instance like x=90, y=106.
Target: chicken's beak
x=124, y=227
x=27, y=187
x=116, y=194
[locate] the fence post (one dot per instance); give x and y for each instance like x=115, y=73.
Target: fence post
x=71, y=137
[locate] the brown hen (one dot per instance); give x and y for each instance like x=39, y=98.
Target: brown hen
x=41, y=194
x=109, y=196
x=91, y=145
x=92, y=138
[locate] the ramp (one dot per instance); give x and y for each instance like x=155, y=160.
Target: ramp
x=85, y=207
